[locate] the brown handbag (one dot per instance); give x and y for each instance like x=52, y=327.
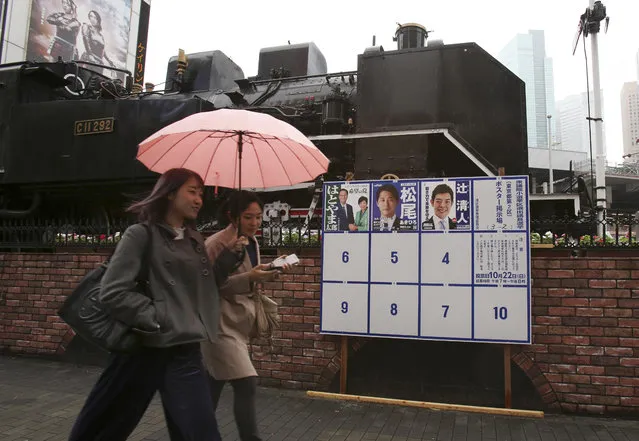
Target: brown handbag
x=267, y=316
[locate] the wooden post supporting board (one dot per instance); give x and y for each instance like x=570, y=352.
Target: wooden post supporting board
x=343, y=366
x=508, y=393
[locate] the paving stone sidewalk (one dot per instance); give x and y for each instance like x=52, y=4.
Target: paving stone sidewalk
x=39, y=400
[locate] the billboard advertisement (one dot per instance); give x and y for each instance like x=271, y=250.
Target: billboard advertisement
x=95, y=31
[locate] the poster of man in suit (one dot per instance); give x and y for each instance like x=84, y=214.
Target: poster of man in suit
x=345, y=217
x=395, y=207
x=446, y=205
x=95, y=31
x=347, y=207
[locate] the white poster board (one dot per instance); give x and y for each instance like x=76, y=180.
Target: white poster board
x=432, y=259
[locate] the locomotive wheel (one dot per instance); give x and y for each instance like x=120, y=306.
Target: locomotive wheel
x=389, y=176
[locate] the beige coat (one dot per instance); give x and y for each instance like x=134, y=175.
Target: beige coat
x=227, y=357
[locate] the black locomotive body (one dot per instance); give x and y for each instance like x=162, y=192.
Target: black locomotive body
x=69, y=135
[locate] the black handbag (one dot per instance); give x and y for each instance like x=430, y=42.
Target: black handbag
x=92, y=321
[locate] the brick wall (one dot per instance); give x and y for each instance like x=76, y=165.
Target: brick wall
x=33, y=287
x=298, y=356
x=586, y=331
x=585, y=356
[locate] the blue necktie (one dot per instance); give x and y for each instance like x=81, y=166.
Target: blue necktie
x=442, y=224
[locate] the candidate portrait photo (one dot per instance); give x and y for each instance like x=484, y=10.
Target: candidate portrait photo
x=387, y=201
x=352, y=208
x=441, y=201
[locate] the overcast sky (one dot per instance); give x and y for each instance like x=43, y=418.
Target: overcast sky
x=342, y=29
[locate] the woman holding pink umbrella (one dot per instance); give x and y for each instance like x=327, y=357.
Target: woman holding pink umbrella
x=234, y=148
x=227, y=358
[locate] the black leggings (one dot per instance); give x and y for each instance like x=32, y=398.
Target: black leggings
x=126, y=387
x=244, y=391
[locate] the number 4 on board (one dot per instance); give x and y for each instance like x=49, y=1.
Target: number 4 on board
x=446, y=259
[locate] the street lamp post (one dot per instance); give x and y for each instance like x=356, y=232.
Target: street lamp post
x=551, y=179
x=590, y=25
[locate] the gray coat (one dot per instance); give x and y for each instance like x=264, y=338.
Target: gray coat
x=182, y=284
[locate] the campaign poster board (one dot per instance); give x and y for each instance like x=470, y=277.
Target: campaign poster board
x=439, y=259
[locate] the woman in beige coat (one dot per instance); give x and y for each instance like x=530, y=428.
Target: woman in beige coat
x=227, y=358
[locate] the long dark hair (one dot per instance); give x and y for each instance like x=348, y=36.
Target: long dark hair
x=98, y=19
x=154, y=207
x=235, y=204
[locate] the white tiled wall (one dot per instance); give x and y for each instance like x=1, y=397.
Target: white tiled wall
x=16, y=33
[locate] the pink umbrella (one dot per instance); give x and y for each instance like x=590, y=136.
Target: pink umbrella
x=224, y=144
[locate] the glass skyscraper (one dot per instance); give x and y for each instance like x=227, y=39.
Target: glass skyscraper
x=525, y=56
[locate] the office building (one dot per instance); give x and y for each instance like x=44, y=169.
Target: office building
x=573, y=125
x=525, y=55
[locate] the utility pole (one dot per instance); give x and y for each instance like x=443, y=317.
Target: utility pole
x=598, y=13
x=590, y=24
x=551, y=179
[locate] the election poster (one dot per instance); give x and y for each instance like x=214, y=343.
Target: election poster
x=395, y=206
x=446, y=205
x=347, y=207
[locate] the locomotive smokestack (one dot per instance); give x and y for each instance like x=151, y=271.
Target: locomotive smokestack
x=410, y=36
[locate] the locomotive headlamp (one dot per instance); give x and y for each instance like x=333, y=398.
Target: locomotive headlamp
x=278, y=211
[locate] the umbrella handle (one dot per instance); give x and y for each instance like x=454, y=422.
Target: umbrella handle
x=239, y=196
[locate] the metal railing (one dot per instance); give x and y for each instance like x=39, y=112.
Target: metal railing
x=51, y=234
x=628, y=168
x=620, y=229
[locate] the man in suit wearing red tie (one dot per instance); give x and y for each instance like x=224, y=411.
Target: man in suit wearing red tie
x=345, y=216
x=442, y=202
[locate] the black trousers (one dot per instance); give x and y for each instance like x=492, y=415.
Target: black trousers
x=126, y=387
x=244, y=391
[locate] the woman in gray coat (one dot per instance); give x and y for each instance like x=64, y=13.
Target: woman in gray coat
x=181, y=311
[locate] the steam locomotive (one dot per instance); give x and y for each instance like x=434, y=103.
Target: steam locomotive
x=69, y=133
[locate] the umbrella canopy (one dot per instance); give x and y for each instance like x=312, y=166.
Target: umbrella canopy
x=234, y=149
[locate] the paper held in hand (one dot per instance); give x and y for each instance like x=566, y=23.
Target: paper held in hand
x=280, y=262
